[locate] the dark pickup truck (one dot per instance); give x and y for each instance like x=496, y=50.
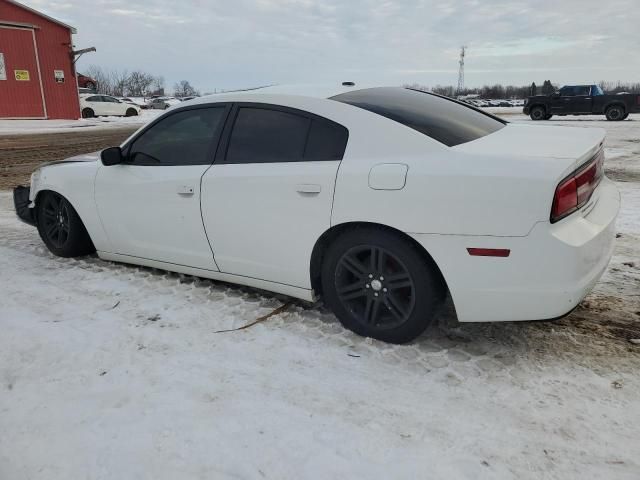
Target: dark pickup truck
x=582, y=100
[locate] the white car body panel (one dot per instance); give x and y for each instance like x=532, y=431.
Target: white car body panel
x=154, y=213
x=257, y=224
x=118, y=109
x=252, y=212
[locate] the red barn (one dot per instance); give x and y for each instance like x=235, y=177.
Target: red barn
x=37, y=74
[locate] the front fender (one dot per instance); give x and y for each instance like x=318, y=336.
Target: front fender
x=74, y=181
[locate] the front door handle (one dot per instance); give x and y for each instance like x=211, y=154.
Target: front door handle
x=308, y=188
x=185, y=190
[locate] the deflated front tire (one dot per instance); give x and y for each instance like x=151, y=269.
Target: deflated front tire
x=60, y=227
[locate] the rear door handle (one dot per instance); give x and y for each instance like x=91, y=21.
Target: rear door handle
x=308, y=188
x=185, y=190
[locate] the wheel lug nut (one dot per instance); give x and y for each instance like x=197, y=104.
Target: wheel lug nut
x=370, y=276
x=375, y=294
x=367, y=285
x=384, y=290
x=381, y=278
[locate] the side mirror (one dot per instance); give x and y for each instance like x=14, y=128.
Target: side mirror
x=112, y=156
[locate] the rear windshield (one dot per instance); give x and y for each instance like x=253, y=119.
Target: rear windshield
x=442, y=119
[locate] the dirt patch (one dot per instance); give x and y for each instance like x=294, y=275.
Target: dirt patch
x=21, y=154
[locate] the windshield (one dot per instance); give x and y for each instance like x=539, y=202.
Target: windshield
x=440, y=118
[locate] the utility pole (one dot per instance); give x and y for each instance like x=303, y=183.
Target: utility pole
x=461, y=71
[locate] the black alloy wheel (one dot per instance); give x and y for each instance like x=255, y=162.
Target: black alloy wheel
x=375, y=286
x=60, y=227
x=56, y=223
x=380, y=284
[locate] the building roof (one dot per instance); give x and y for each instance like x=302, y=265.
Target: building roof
x=40, y=14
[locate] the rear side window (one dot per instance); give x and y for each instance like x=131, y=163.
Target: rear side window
x=182, y=138
x=442, y=119
x=267, y=135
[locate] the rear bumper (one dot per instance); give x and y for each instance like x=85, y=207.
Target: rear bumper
x=21, y=203
x=547, y=274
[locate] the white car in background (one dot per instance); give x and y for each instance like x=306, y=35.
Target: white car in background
x=92, y=105
x=162, y=103
x=380, y=200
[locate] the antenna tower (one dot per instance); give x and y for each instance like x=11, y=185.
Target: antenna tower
x=461, y=71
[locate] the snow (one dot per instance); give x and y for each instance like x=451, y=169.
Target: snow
x=20, y=127
x=111, y=371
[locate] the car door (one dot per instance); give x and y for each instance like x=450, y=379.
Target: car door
x=150, y=204
x=268, y=196
x=113, y=105
x=96, y=104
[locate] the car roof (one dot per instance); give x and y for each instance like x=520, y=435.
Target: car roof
x=314, y=91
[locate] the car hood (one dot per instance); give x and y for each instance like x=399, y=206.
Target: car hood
x=574, y=145
x=85, y=157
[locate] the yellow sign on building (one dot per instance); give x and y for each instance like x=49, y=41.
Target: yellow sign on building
x=22, y=75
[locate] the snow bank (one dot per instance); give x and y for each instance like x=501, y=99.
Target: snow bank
x=20, y=127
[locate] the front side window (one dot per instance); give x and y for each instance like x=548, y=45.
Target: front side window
x=442, y=119
x=106, y=98
x=266, y=135
x=583, y=91
x=182, y=138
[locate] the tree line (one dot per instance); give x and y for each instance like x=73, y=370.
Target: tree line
x=122, y=83
x=499, y=91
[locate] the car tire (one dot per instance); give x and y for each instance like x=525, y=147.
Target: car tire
x=60, y=227
x=538, y=113
x=548, y=116
x=131, y=112
x=380, y=285
x=626, y=115
x=615, y=113
x=88, y=113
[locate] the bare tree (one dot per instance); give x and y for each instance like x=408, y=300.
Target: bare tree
x=184, y=89
x=139, y=83
x=158, y=85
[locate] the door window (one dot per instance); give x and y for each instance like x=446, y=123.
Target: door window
x=95, y=98
x=265, y=135
x=188, y=137
x=108, y=99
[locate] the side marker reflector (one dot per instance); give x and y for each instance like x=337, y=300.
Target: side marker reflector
x=489, y=252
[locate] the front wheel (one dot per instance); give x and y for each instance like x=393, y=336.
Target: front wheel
x=615, y=113
x=379, y=285
x=538, y=113
x=88, y=113
x=60, y=227
x=131, y=112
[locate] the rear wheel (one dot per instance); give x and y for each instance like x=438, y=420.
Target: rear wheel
x=60, y=227
x=537, y=113
x=131, y=112
x=88, y=113
x=615, y=113
x=380, y=286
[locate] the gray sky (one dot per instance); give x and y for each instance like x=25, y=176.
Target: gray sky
x=243, y=43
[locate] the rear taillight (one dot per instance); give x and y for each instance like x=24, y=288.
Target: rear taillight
x=576, y=190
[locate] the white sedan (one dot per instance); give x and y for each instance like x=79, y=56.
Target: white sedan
x=380, y=200
x=92, y=105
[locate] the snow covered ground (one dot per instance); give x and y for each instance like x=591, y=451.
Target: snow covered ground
x=115, y=372
x=16, y=127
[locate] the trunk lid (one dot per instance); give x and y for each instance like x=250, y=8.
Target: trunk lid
x=569, y=146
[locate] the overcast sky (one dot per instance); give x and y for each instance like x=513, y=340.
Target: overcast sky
x=242, y=43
